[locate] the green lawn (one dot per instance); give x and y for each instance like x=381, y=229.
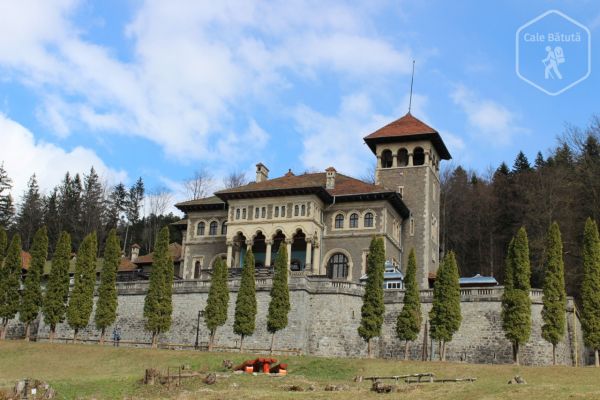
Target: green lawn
x=92, y=371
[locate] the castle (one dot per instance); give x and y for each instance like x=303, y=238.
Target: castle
x=327, y=220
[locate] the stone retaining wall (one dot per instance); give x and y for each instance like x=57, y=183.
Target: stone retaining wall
x=324, y=319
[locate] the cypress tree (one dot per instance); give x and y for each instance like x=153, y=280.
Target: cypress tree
x=215, y=313
x=516, y=304
x=555, y=297
x=81, y=301
x=158, y=305
x=245, y=304
x=31, y=297
x=57, y=289
x=408, y=323
x=279, y=307
x=373, y=308
x=10, y=272
x=445, y=316
x=106, y=307
x=590, y=288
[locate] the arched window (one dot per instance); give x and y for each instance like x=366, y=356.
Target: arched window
x=276, y=211
x=200, y=229
x=386, y=159
x=296, y=210
x=237, y=213
x=303, y=210
x=337, y=267
x=263, y=213
x=402, y=157
x=243, y=213
x=212, y=228
x=256, y=212
x=197, y=270
x=224, y=228
x=369, y=220
x=283, y=211
x=418, y=156
x=354, y=220
x=339, y=221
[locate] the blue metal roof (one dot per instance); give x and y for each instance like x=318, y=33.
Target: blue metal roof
x=478, y=279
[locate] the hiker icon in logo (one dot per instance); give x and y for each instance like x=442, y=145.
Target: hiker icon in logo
x=553, y=58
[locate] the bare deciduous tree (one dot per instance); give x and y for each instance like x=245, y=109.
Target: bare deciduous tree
x=198, y=186
x=235, y=179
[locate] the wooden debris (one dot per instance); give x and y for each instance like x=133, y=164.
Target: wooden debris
x=210, y=379
x=358, y=379
x=419, y=377
x=296, y=388
x=517, y=380
x=380, y=387
x=227, y=364
x=336, y=388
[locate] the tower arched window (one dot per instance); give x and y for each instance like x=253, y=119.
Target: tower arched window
x=212, y=228
x=337, y=266
x=224, y=228
x=237, y=213
x=386, y=159
x=369, y=220
x=418, y=156
x=303, y=210
x=354, y=220
x=200, y=229
x=339, y=221
x=296, y=210
x=402, y=157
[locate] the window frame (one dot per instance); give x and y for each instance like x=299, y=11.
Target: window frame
x=338, y=218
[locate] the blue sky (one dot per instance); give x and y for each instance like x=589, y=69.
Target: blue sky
x=160, y=89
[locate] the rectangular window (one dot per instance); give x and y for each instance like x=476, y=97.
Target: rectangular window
x=276, y=211
x=282, y=211
x=264, y=212
x=256, y=212
x=243, y=213
x=237, y=213
x=296, y=210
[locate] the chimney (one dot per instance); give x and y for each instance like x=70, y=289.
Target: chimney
x=262, y=172
x=135, y=252
x=330, y=174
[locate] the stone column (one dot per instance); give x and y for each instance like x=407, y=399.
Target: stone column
x=238, y=257
x=288, y=243
x=307, y=263
x=410, y=159
x=317, y=258
x=229, y=253
x=269, y=243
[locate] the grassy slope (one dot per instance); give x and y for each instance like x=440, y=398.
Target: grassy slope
x=106, y=373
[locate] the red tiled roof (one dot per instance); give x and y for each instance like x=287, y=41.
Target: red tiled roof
x=25, y=259
x=344, y=185
x=408, y=127
x=174, y=249
x=126, y=265
x=405, y=126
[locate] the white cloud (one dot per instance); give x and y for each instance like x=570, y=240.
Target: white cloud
x=337, y=140
x=192, y=64
x=491, y=120
x=23, y=156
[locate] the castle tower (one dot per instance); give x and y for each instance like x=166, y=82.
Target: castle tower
x=408, y=161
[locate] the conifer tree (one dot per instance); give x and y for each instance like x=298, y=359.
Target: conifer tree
x=158, y=305
x=555, y=297
x=31, y=212
x=31, y=296
x=57, y=289
x=445, y=315
x=7, y=209
x=10, y=272
x=590, y=289
x=3, y=243
x=408, y=323
x=245, y=304
x=81, y=301
x=215, y=313
x=279, y=307
x=373, y=308
x=106, y=306
x=516, y=304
